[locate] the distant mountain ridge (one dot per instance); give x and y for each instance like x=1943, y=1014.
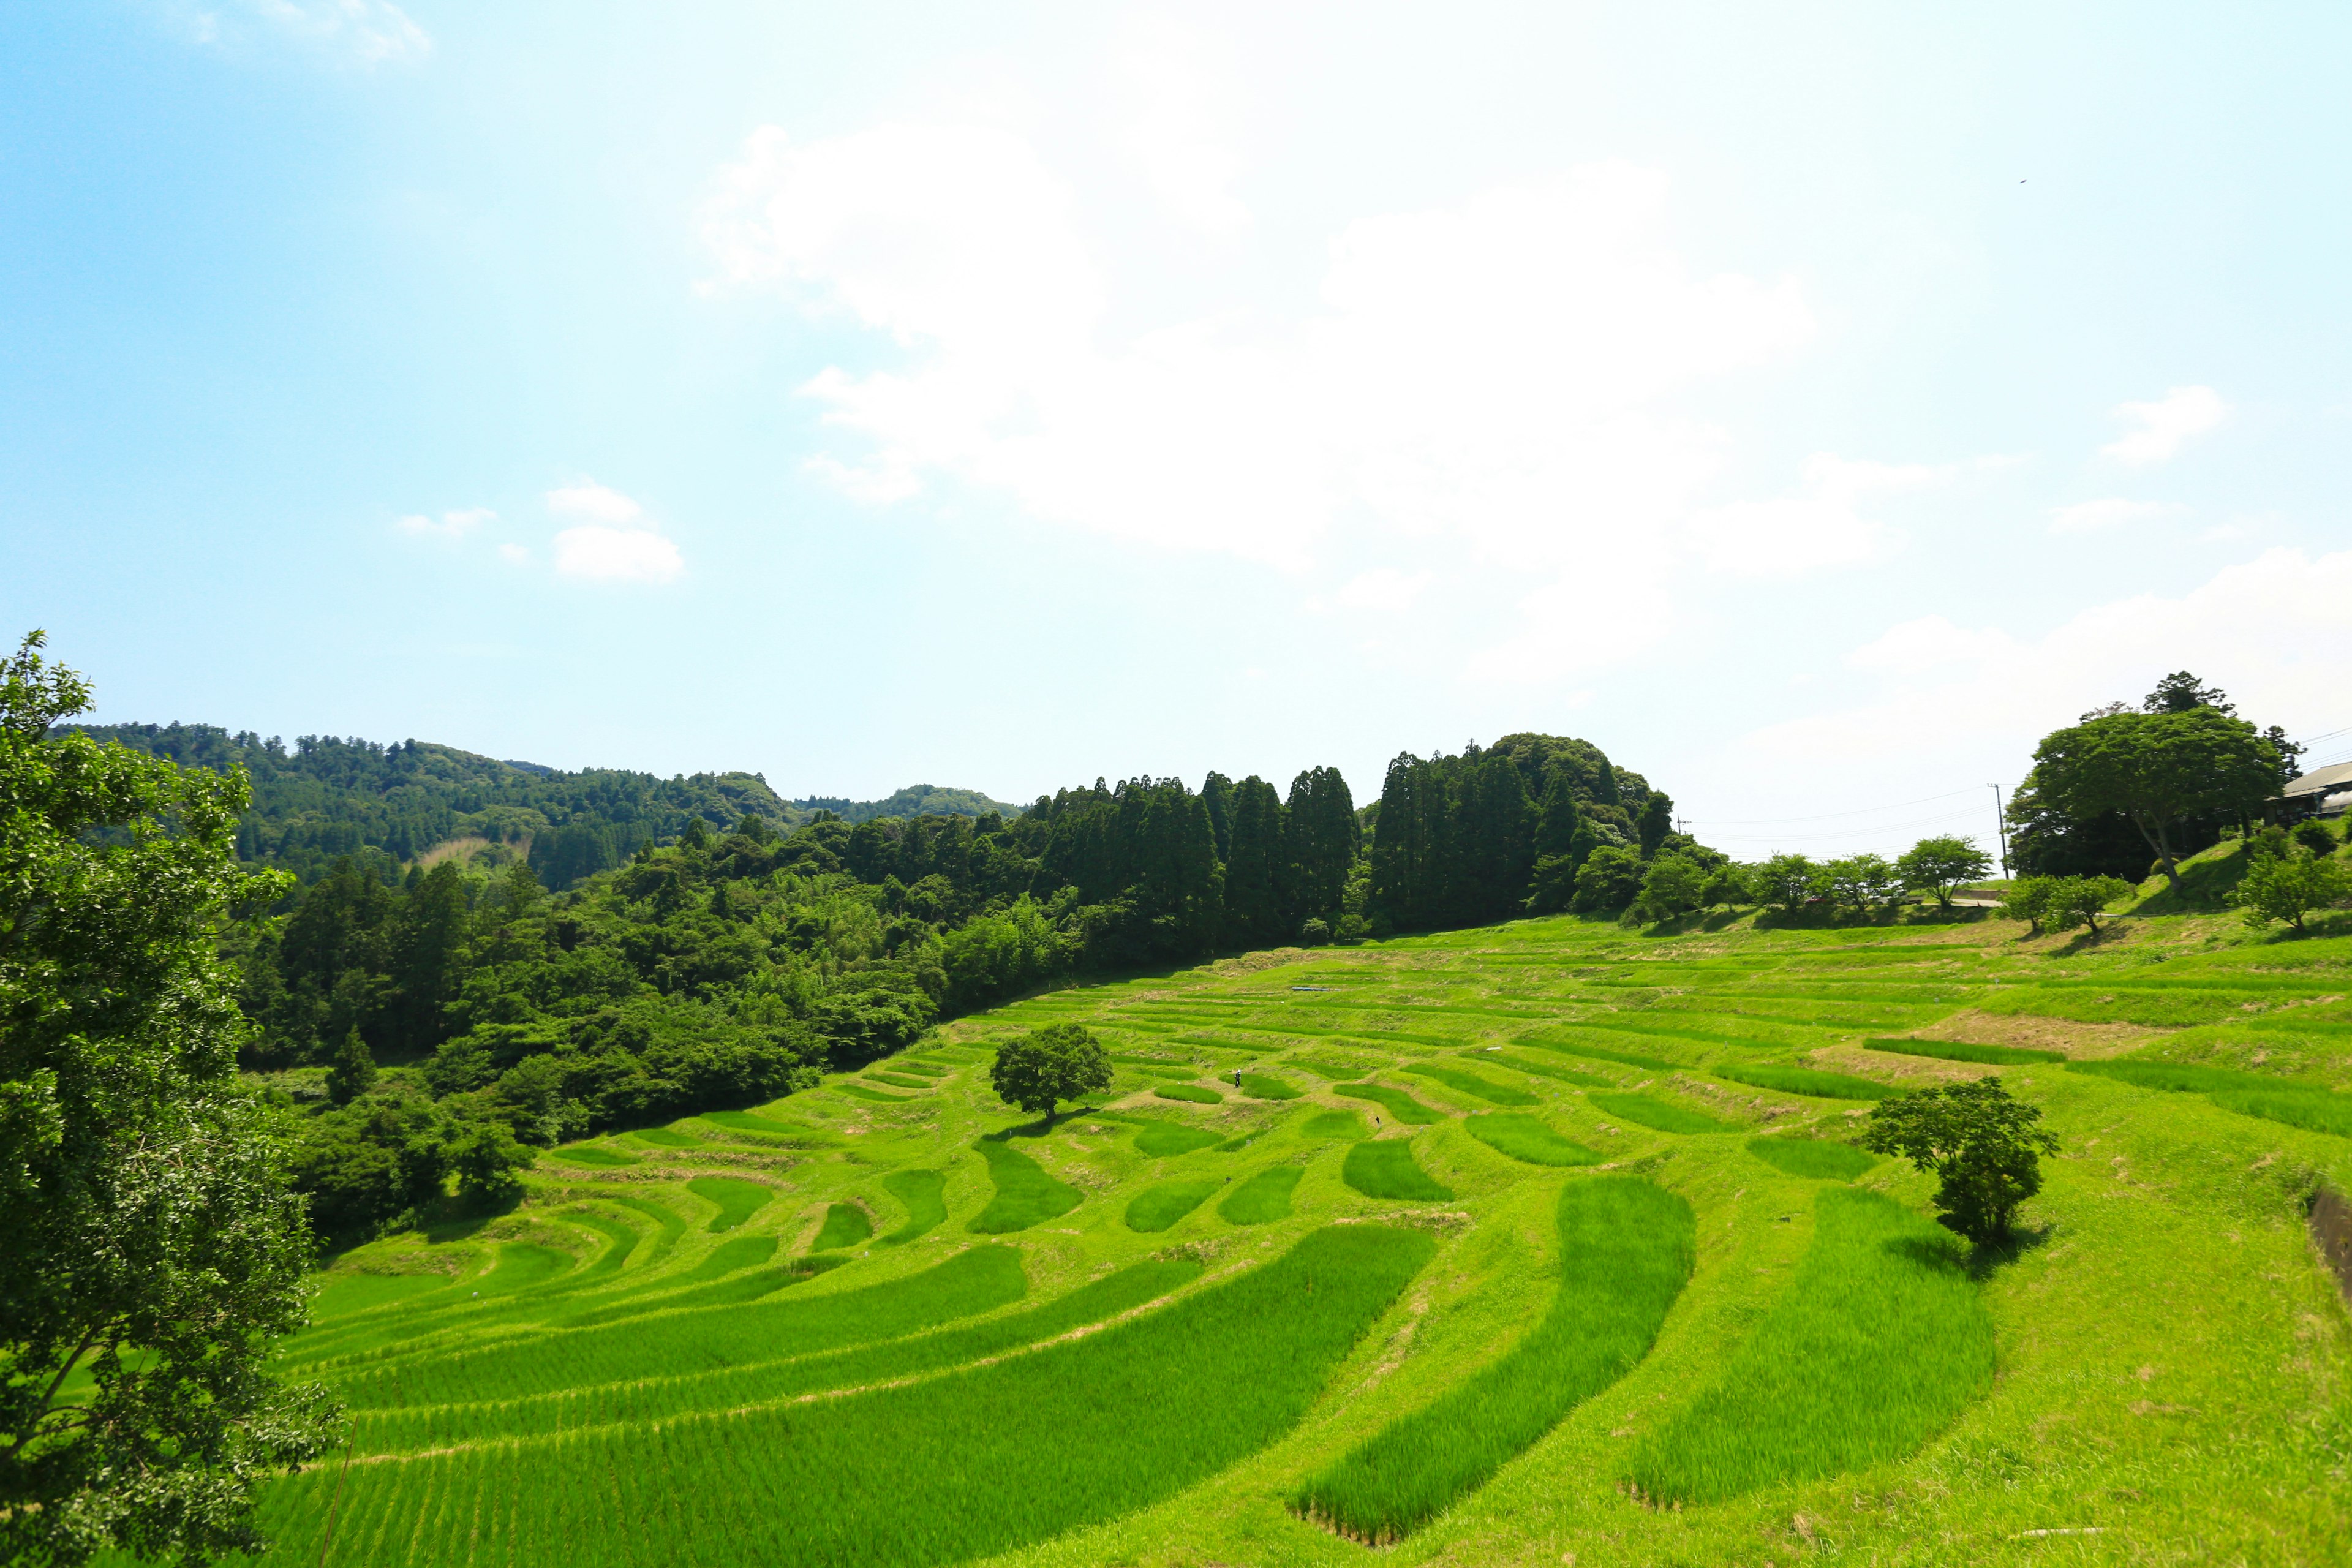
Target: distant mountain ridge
x=327, y=796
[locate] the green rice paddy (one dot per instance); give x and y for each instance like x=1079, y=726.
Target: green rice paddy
x=1266, y=1086
x=1808, y=1080
x=1330, y=1335
x=1191, y=1092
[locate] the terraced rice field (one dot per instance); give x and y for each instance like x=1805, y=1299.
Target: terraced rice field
x=1606, y=1283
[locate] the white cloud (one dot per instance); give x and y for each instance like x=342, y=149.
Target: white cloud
x=1169, y=134
x=2274, y=631
x=1384, y=588
x=451, y=525
x=514, y=554
x=2092, y=516
x=1497, y=376
x=619, y=544
x=1820, y=526
x=2161, y=428
x=362, y=32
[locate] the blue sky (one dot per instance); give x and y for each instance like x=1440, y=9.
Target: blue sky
x=1812, y=404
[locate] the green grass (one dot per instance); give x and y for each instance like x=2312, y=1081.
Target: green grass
x=742, y=1252
x=1158, y=1206
x=1385, y=1168
x=1263, y=1199
x=2185, y=1077
x=916, y=1065
x=1602, y=1054
x=859, y=1091
x=1266, y=1086
x=1335, y=1125
x=1878, y=1343
x=747, y=1121
x=846, y=1224
x=1192, y=1093
x=1520, y=1062
x=1325, y=1065
x=2313, y=1110
x=1955, y=1051
x=738, y=1200
x=666, y=1137
x=590, y=1155
x=1808, y=1081
x=1471, y=1084
x=1019, y=1451
x=1395, y=1101
x=1527, y=1138
x=1815, y=1158
x=1658, y=1115
x=1025, y=1195
x=919, y=1192
x=1626, y=1249
x=1162, y=1140
x=903, y=1080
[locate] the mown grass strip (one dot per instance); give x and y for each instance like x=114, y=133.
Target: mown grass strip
x=1264, y=1198
x=1960, y=1051
x=1163, y=1140
x=1385, y=1168
x=681, y=1343
x=1015, y=1452
x=846, y=1224
x=1396, y=1101
x=1161, y=1205
x=1266, y=1086
x=1878, y=1343
x=1815, y=1158
x=1811, y=1081
x=1191, y=1093
x=1025, y=1195
x=921, y=1194
x=738, y=1200
x=1658, y=1115
x=1525, y=1138
x=1626, y=1247
x=1471, y=1084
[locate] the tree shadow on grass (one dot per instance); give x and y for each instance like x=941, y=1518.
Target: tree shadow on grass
x=1987, y=1258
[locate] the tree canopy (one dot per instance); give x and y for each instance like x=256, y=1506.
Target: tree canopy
x=1983, y=1147
x=1045, y=1066
x=2158, y=768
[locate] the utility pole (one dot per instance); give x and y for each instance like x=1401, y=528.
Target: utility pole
x=2000, y=825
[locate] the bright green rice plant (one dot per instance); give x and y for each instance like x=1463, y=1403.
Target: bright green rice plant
x=1161, y=1205
x=1626, y=1250
x=846, y=1224
x=590, y=1154
x=1877, y=1344
x=1525, y=1138
x=859, y=1091
x=738, y=1200
x=1808, y=1081
x=901, y=1079
x=1385, y=1168
x=1815, y=1158
x=1602, y=1054
x=1957, y=1051
x=1025, y=1195
x=1264, y=1198
x=1266, y=1086
x=2314, y=1110
x=921, y=1193
x=1658, y=1115
x=1191, y=1093
x=1526, y=1064
x=1335, y=1125
x=1395, y=1101
x=1162, y=1140
x=665, y=1137
x=1471, y=1084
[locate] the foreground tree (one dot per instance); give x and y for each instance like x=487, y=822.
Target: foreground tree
x=1984, y=1147
x=2071, y=902
x=1048, y=1065
x=2158, y=768
x=1940, y=865
x=148, y=1238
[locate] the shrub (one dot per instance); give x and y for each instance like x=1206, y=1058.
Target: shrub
x=2290, y=887
x=1385, y=1168
x=1983, y=1146
x=2080, y=900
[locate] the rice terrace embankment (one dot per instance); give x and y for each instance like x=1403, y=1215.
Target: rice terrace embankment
x=1677, y=1315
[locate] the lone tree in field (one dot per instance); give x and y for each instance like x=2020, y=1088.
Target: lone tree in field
x=1941, y=865
x=148, y=1238
x=2157, y=768
x=2071, y=902
x=1048, y=1065
x=1984, y=1146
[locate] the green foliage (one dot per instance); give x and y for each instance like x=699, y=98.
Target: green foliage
x=1525, y=1138
x=1807, y=1081
x=1025, y=1195
x=1861, y=881
x=1877, y=1345
x=1960, y=1051
x=1786, y=883
x=148, y=1239
x=2288, y=887
x=1609, y=879
x=1983, y=1146
x=921, y=1193
x=1673, y=885
x=1626, y=1249
x=1395, y=1101
x=1045, y=1067
x=1941, y=864
x=1264, y=1198
x=1658, y=1115
x=486, y=1159
x=1158, y=1206
x=1815, y=1158
x=2158, y=768
x=353, y=1072
x=2071, y=902
x=1385, y=1168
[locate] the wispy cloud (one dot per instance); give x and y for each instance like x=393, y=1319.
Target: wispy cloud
x=2093, y=516
x=450, y=525
x=616, y=541
x=356, y=32
x=2159, y=429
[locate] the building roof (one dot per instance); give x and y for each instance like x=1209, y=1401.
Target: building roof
x=2320, y=780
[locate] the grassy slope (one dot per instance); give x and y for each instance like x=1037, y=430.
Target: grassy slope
x=2171, y=1361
